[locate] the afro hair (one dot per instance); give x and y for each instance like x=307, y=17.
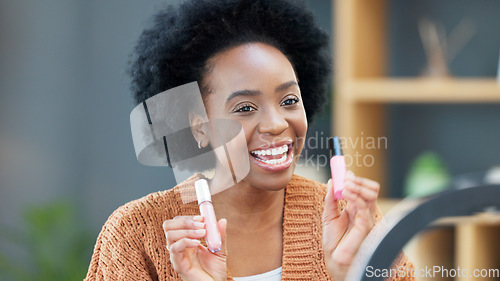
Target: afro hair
x=178, y=46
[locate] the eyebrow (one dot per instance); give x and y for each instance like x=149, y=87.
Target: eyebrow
x=280, y=88
x=285, y=86
x=243, y=93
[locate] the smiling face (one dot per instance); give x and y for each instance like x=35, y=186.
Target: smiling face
x=255, y=84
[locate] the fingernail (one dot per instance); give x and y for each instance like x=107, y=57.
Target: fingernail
x=198, y=224
x=198, y=218
x=347, y=193
x=200, y=231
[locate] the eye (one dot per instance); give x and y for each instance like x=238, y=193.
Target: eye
x=290, y=101
x=245, y=108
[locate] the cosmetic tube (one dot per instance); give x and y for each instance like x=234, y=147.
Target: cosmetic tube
x=337, y=165
x=212, y=237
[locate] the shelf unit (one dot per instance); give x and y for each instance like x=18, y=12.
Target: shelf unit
x=470, y=243
x=362, y=89
x=421, y=90
x=362, y=92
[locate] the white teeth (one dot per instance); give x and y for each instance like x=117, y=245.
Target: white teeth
x=274, y=161
x=274, y=151
x=283, y=149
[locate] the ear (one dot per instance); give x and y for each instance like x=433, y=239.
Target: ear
x=199, y=128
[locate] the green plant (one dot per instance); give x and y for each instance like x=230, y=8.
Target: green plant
x=54, y=242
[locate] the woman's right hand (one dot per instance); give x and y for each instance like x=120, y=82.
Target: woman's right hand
x=190, y=259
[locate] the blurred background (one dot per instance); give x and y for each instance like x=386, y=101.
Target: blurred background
x=66, y=153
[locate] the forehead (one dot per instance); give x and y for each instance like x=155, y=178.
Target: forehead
x=249, y=66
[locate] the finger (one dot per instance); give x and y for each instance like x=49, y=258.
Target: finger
x=183, y=244
x=334, y=223
x=367, y=183
x=351, y=242
x=222, y=224
x=365, y=193
x=173, y=236
x=195, y=218
x=207, y=255
x=360, y=208
x=353, y=198
x=331, y=210
x=349, y=175
x=183, y=222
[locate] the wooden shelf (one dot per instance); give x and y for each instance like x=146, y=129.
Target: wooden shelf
x=483, y=219
x=432, y=247
x=468, y=242
x=386, y=204
x=362, y=91
x=423, y=90
x=477, y=248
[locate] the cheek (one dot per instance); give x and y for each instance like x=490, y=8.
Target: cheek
x=304, y=124
x=213, y=111
x=300, y=128
x=250, y=129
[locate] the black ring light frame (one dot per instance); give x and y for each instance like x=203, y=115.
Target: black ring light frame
x=461, y=202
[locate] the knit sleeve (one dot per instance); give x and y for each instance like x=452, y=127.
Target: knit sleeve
x=118, y=253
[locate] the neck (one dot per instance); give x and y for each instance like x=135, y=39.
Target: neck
x=246, y=206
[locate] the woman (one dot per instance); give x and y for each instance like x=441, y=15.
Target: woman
x=263, y=64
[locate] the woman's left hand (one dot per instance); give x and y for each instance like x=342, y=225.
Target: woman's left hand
x=343, y=232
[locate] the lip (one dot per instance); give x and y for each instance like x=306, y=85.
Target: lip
x=280, y=167
x=273, y=145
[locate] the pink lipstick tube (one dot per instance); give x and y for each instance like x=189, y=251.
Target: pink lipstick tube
x=337, y=165
x=213, y=237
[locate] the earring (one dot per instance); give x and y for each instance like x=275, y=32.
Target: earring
x=199, y=144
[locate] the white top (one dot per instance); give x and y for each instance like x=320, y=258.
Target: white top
x=273, y=275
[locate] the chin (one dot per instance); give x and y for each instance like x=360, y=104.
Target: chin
x=270, y=181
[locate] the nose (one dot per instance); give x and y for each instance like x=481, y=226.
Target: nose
x=273, y=122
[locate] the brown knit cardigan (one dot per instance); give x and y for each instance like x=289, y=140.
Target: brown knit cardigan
x=131, y=245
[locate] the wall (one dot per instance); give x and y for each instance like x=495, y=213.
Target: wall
x=65, y=105
x=465, y=136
